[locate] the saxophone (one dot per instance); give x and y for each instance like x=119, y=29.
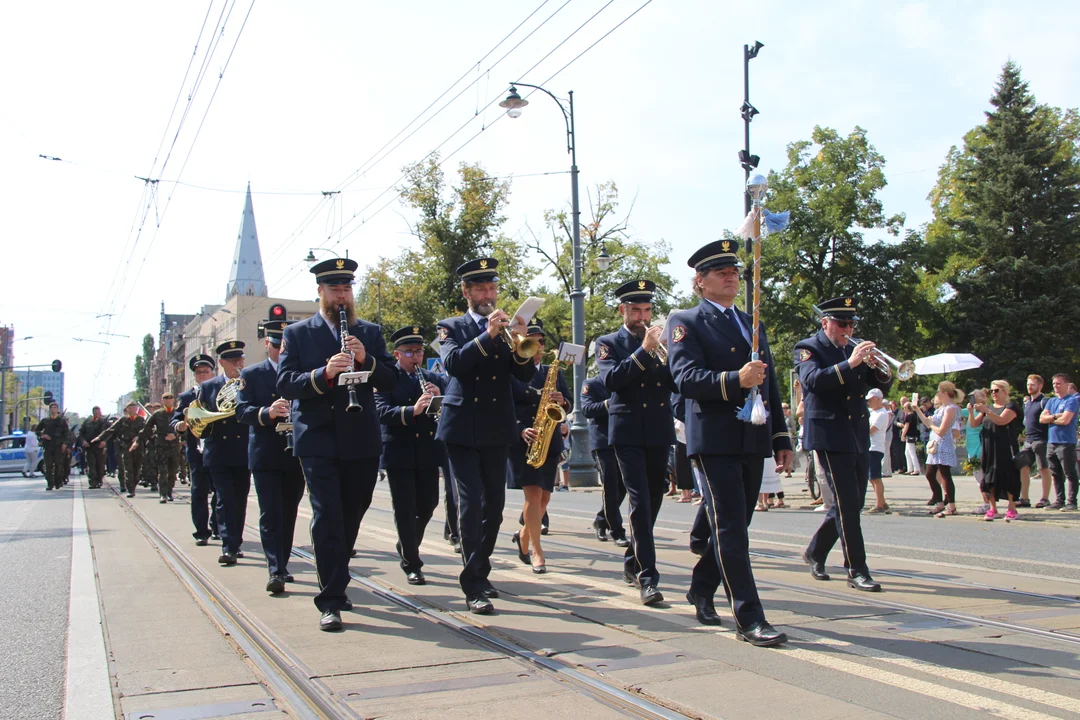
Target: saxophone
x=548, y=417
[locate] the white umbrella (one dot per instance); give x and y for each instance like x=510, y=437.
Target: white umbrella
x=946, y=363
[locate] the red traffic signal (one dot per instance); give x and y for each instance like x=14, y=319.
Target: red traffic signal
x=277, y=312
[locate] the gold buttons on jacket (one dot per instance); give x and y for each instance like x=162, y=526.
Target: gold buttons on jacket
x=661, y=404
x=494, y=377
x=732, y=349
x=644, y=405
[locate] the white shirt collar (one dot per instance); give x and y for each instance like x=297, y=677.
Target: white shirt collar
x=476, y=318
x=718, y=305
x=272, y=363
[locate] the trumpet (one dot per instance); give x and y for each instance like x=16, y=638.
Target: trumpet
x=522, y=345
x=660, y=351
x=881, y=361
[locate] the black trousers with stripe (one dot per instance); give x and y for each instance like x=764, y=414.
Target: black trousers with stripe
x=644, y=473
x=480, y=480
x=847, y=475
x=729, y=491
x=614, y=492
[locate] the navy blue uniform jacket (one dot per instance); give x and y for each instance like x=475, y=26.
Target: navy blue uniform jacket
x=478, y=410
x=321, y=425
x=836, y=418
x=191, y=443
x=225, y=442
x=409, y=440
x=639, y=410
x=594, y=403
x=705, y=353
x=266, y=446
x=527, y=402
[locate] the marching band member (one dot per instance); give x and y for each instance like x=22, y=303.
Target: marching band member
x=835, y=375
x=205, y=521
x=640, y=425
x=594, y=403
x=478, y=422
x=279, y=479
x=708, y=353
x=339, y=449
x=411, y=454
x=225, y=454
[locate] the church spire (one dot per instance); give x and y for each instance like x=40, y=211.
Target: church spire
x=246, y=276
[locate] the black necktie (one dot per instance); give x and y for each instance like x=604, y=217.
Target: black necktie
x=482, y=322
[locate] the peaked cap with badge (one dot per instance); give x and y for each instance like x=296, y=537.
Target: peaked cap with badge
x=274, y=330
x=840, y=308
x=335, y=271
x=717, y=254
x=408, y=335
x=201, y=359
x=636, y=291
x=536, y=327
x=230, y=350
x=479, y=270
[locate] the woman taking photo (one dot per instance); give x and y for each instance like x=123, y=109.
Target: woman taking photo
x=940, y=445
x=999, y=421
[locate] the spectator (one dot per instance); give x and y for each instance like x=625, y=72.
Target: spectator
x=789, y=419
x=31, y=449
x=973, y=443
x=910, y=434
x=1035, y=439
x=941, y=446
x=1001, y=427
x=896, y=449
x=879, y=425
x=886, y=456
x=1060, y=415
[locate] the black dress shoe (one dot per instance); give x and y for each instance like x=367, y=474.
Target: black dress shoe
x=698, y=548
x=457, y=547
x=601, y=531
x=215, y=536
x=276, y=585
x=416, y=578
x=523, y=557
x=352, y=552
x=130, y=494
x=480, y=605
x=288, y=578
x=201, y=541
x=163, y=501
x=817, y=569
x=490, y=592
x=761, y=634
x=239, y=554
x=650, y=595
x=630, y=578
x=622, y=542
x=347, y=605
x=330, y=621
x=227, y=559
x=706, y=613
x=863, y=582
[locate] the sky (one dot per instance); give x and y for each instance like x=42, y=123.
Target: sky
x=313, y=97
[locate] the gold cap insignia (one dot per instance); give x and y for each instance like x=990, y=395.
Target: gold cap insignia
x=847, y=302
x=340, y=264
x=416, y=331
x=725, y=246
x=233, y=344
x=602, y=352
x=640, y=284
x=678, y=333
x=483, y=264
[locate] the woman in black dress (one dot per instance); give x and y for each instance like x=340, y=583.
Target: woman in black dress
x=1001, y=425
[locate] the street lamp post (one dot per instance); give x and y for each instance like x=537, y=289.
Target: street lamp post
x=582, y=468
x=746, y=160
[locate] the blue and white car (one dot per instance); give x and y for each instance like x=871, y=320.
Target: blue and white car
x=13, y=454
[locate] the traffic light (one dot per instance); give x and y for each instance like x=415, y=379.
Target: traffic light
x=56, y=365
x=47, y=398
x=278, y=312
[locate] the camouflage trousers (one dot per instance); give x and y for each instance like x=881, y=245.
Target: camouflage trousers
x=130, y=466
x=169, y=461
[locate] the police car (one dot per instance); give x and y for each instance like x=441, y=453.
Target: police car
x=13, y=454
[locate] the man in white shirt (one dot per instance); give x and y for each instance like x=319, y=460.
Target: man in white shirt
x=879, y=425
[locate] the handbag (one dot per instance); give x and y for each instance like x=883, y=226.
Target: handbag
x=1024, y=458
x=932, y=444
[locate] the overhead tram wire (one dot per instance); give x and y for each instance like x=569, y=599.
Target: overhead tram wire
x=114, y=318
x=368, y=165
x=191, y=149
x=290, y=275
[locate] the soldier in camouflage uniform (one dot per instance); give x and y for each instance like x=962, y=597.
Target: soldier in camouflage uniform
x=66, y=456
x=124, y=431
x=148, y=453
x=160, y=440
x=94, y=451
x=53, y=432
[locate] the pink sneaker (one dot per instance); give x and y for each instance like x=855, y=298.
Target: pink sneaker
x=1011, y=515
x=990, y=514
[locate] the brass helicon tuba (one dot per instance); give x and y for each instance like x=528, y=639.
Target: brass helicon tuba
x=198, y=418
x=549, y=416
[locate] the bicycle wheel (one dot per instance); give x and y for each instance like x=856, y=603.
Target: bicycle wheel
x=811, y=479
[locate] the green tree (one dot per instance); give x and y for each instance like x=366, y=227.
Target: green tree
x=1004, y=236
x=630, y=259
x=831, y=185
x=142, y=370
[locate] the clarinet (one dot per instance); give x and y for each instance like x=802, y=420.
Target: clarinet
x=354, y=404
x=289, y=432
x=423, y=388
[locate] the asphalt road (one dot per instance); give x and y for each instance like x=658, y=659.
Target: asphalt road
x=35, y=553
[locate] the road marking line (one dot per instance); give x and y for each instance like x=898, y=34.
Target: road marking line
x=88, y=688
